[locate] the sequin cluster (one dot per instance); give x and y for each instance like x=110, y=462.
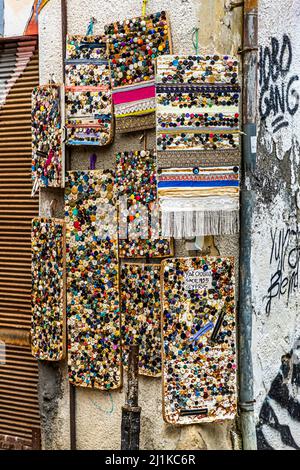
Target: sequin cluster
x=197, y=103
x=92, y=280
x=139, y=220
x=140, y=311
x=48, y=289
x=199, y=360
x=47, y=156
x=133, y=46
x=88, y=92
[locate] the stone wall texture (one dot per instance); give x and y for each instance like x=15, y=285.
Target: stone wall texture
x=275, y=231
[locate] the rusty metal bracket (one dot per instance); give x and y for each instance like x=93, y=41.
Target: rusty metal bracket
x=247, y=49
x=234, y=5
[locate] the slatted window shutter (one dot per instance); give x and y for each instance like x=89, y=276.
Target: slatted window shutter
x=19, y=74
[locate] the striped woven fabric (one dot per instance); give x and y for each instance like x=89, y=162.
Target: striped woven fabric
x=199, y=201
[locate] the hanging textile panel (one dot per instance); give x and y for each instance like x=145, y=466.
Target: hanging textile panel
x=198, y=325
x=134, y=44
x=94, y=353
x=88, y=92
x=139, y=219
x=199, y=201
x=47, y=140
x=48, y=289
x=140, y=312
x=198, y=109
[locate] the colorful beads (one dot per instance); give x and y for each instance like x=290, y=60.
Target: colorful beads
x=92, y=280
x=86, y=47
x=198, y=324
x=140, y=310
x=48, y=289
x=210, y=69
x=139, y=213
x=47, y=155
x=88, y=92
x=133, y=46
x=197, y=103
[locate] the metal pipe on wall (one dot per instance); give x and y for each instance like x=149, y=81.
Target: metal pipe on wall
x=246, y=393
x=72, y=388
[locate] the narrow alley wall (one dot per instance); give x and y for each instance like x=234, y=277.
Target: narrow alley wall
x=275, y=249
x=98, y=420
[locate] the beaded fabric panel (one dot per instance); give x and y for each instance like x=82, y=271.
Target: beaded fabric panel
x=140, y=313
x=199, y=201
x=94, y=352
x=88, y=92
x=139, y=227
x=48, y=289
x=197, y=104
x=198, y=327
x=47, y=146
x=134, y=44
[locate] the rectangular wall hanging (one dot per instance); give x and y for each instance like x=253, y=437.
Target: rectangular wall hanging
x=94, y=352
x=134, y=44
x=48, y=289
x=140, y=313
x=139, y=219
x=197, y=110
x=48, y=162
x=89, y=117
x=198, y=327
x=199, y=201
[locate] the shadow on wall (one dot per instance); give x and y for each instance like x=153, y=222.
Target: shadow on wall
x=279, y=417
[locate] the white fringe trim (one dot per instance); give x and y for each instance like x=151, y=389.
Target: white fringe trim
x=188, y=218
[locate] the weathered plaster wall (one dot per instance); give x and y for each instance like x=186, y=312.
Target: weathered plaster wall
x=98, y=419
x=275, y=249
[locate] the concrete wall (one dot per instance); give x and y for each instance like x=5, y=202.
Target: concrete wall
x=98, y=420
x=275, y=248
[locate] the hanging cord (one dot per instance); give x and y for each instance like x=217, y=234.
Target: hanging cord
x=144, y=7
x=90, y=29
x=93, y=159
x=195, y=39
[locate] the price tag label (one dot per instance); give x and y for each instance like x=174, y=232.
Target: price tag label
x=196, y=279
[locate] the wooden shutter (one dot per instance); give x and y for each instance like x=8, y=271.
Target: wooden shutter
x=19, y=375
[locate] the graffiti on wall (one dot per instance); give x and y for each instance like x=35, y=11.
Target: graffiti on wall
x=284, y=266
x=278, y=98
x=279, y=417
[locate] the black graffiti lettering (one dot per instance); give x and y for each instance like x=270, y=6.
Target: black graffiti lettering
x=278, y=96
x=275, y=69
x=285, y=260
x=293, y=283
x=280, y=421
x=294, y=94
x=273, y=290
x=283, y=286
x=286, y=49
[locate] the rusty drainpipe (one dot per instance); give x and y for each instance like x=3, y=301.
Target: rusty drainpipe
x=72, y=388
x=249, y=56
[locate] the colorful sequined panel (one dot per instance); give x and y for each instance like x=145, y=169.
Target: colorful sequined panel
x=48, y=289
x=197, y=103
x=92, y=280
x=88, y=92
x=139, y=227
x=47, y=148
x=134, y=44
x=140, y=307
x=199, y=360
